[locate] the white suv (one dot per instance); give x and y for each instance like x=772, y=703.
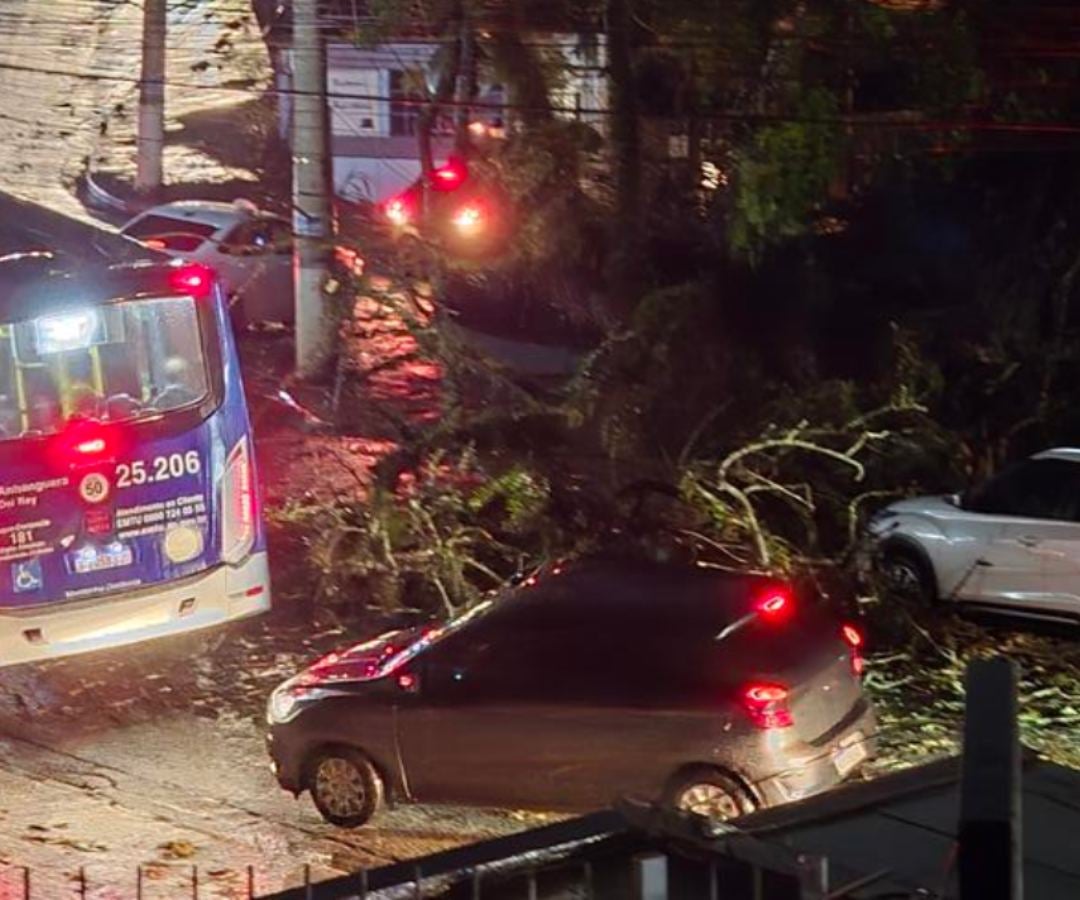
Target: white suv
x=1011, y=545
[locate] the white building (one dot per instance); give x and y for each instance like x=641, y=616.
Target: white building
x=373, y=124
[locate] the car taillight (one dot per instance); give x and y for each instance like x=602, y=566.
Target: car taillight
x=469, y=219
x=238, y=505
x=775, y=605
x=398, y=212
x=450, y=176
x=767, y=705
x=854, y=639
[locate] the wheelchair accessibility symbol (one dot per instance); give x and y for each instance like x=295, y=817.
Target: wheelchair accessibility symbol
x=26, y=576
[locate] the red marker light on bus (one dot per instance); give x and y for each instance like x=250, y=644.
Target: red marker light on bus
x=91, y=447
x=192, y=279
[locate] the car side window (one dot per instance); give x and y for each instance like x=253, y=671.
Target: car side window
x=541, y=645
x=500, y=665
x=258, y=236
x=1035, y=489
x=280, y=236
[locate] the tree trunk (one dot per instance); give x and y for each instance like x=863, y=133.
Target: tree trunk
x=1059, y=314
x=693, y=130
x=625, y=263
x=465, y=90
x=269, y=15
x=522, y=68
x=444, y=92
x=149, y=177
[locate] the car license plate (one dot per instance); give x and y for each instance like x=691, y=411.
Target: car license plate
x=850, y=753
x=103, y=559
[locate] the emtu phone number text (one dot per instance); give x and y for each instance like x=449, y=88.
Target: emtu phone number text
x=160, y=468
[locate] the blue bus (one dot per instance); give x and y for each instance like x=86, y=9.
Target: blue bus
x=129, y=505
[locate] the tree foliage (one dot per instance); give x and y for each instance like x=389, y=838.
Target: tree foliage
x=854, y=304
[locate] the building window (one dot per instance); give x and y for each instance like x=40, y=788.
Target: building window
x=404, y=110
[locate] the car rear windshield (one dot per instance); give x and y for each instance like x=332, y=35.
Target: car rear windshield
x=181, y=235
x=125, y=361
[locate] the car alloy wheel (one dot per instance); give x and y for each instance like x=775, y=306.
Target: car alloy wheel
x=340, y=788
x=709, y=800
x=904, y=578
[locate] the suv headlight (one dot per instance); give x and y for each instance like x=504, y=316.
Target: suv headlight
x=880, y=521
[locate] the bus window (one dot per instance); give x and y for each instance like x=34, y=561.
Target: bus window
x=121, y=362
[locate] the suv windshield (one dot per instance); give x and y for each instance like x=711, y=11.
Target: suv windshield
x=126, y=361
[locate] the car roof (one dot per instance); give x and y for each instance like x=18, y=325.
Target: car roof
x=1069, y=454
x=207, y=212
x=628, y=582
x=35, y=284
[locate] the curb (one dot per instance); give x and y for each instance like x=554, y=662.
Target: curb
x=522, y=357
x=99, y=198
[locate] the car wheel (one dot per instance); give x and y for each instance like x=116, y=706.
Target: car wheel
x=346, y=787
x=709, y=792
x=906, y=577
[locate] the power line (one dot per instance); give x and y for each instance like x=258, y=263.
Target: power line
x=732, y=116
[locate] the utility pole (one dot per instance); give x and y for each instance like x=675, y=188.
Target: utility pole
x=311, y=189
x=151, y=138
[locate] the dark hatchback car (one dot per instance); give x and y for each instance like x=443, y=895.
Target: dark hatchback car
x=714, y=692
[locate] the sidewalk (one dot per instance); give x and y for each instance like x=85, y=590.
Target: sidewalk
x=217, y=120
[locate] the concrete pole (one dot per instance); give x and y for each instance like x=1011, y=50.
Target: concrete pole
x=990, y=858
x=311, y=190
x=151, y=139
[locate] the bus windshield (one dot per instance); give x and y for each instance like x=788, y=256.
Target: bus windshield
x=126, y=361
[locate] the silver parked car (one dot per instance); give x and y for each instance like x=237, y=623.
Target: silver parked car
x=250, y=250
x=1010, y=545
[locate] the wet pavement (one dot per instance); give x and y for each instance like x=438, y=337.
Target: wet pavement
x=150, y=759
x=153, y=756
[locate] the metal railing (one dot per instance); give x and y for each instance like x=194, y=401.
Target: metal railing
x=19, y=883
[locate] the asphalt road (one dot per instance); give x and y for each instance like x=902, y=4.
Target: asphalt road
x=153, y=756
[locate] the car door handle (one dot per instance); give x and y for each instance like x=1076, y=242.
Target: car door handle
x=1027, y=540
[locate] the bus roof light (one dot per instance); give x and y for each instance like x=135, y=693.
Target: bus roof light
x=69, y=331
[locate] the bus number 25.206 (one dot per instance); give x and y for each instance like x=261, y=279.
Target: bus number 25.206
x=160, y=468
